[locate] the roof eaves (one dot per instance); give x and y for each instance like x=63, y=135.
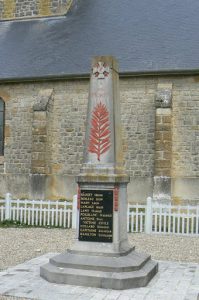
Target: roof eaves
x=87, y=75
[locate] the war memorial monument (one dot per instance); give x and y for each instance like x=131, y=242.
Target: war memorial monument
x=101, y=256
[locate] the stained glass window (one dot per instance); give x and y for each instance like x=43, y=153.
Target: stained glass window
x=2, y=112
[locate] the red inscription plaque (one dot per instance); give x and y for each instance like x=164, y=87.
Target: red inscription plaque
x=116, y=197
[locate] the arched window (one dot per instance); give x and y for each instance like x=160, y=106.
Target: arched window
x=2, y=124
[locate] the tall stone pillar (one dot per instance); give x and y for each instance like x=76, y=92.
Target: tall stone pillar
x=102, y=256
x=39, y=144
x=163, y=144
x=102, y=169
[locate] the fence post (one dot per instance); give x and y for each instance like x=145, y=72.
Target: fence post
x=128, y=219
x=197, y=219
x=8, y=207
x=74, y=213
x=148, y=221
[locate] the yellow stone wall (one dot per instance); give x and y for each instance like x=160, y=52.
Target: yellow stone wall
x=8, y=9
x=13, y=9
x=44, y=7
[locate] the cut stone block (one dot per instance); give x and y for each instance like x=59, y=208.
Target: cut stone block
x=122, y=272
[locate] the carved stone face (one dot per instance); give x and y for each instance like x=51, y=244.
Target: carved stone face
x=163, y=98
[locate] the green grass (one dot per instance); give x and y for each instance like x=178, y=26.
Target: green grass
x=18, y=224
x=10, y=223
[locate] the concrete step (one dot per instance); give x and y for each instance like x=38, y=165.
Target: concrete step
x=131, y=262
x=98, y=278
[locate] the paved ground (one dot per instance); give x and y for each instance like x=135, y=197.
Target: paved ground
x=174, y=281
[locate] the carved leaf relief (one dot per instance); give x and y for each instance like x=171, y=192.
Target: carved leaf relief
x=99, y=140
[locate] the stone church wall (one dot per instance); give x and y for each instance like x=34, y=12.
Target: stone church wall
x=44, y=138
x=11, y=9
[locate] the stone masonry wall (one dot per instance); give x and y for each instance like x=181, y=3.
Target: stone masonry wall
x=26, y=8
x=39, y=137
x=185, y=161
x=18, y=135
x=185, y=140
x=1, y=9
x=11, y=9
x=64, y=129
x=7, y=9
x=138, y=117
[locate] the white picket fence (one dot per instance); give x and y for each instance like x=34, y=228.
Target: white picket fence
x=161, y=218
x=149, y=218
x=38, y=212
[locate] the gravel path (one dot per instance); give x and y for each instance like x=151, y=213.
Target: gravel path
x=20, y=244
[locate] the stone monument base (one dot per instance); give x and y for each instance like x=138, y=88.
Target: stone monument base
x=102, y=256
x=130, y=270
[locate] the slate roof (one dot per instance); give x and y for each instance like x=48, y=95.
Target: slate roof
x=146, y=36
